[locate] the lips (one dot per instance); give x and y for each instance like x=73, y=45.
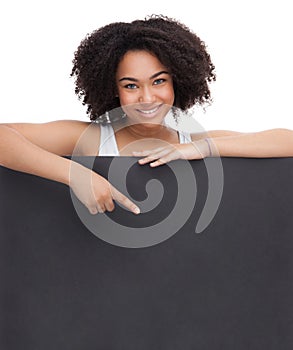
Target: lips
x=149, y=111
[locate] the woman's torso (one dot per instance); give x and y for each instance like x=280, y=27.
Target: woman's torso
x=112, y=141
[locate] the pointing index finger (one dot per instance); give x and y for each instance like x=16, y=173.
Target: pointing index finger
x=126, y=202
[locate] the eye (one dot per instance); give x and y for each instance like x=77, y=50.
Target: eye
x=159, y=81
x=130, y=86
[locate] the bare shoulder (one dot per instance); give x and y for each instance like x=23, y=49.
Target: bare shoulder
x=59, y=136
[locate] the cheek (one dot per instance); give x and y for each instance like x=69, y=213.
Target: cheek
x=126, y=98
x=169, y=95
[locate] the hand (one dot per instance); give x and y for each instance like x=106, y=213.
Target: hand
x=96, y=193
x=163, y=155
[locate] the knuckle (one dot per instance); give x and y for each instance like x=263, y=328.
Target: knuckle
x=104, y=196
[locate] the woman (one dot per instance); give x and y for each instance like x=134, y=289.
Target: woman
x=130, y=75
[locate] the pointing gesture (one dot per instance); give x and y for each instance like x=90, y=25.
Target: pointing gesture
x=96, y=193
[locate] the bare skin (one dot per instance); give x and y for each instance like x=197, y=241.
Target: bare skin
x=143, y=90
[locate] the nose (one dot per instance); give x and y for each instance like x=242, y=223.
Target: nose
x=146, y=95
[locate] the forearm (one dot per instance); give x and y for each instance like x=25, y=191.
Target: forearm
x=263, y=144
x=18, y=153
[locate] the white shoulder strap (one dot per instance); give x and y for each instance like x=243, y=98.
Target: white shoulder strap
x=108, y=144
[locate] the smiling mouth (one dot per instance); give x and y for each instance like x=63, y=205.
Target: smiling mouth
x=149, y=111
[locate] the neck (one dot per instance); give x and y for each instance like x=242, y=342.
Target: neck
x=144, y=130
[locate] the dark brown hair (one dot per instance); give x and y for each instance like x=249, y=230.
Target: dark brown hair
x=176, y=46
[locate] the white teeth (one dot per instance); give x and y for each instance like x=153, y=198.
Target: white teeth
x=149, y=111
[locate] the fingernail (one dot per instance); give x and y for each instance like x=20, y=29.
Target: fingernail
x=136, y=211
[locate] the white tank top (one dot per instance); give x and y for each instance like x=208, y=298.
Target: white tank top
x=108, y=144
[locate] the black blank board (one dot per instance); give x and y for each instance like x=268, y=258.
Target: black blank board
x=229, y=287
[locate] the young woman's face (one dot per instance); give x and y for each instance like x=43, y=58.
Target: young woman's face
x=145, y=87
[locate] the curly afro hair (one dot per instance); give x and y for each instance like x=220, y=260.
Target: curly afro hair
x=176, y=46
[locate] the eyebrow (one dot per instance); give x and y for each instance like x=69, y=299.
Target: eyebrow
x=152, y=77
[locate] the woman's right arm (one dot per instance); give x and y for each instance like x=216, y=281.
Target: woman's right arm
x=38, y=149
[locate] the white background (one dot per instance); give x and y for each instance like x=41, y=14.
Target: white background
x=249, y=42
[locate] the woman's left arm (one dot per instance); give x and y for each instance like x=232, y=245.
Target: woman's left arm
x=263, y=144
